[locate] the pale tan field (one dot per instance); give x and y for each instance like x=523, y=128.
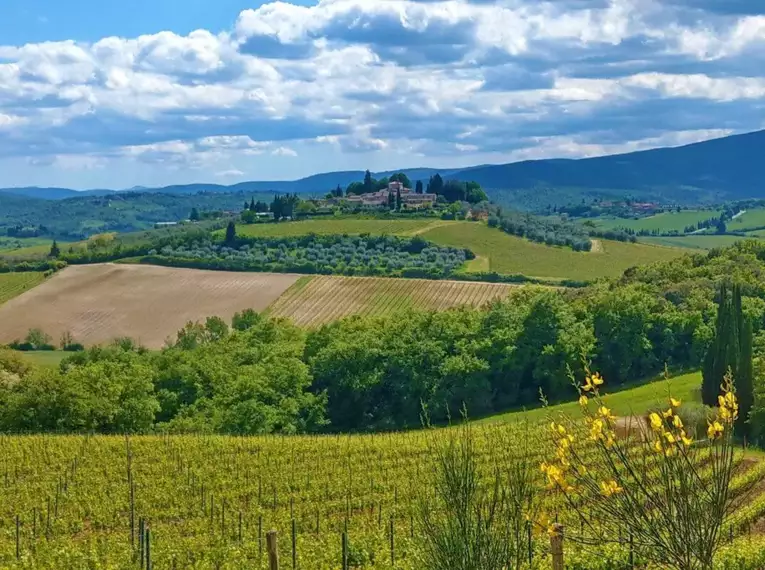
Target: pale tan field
x=98, y=303
x=313, y=301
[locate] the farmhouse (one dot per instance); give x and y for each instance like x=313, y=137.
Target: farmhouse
x=382, y=197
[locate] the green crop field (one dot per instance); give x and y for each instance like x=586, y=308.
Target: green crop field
x=693, y=242
x=749, y=220
x=513, y=255
x=338, y=226
x=14, y=284
x=45, y=358
x=208, y=501
x=495, y=249
x=664, y=222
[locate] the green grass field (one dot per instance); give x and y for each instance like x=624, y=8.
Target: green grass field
x=512, y=255
x=338, y=226
x=749, y=220
x=495, y=250
x=45, y=358
x=665, y=222
x=630, y=401
x=693, y=242
x=14, y=284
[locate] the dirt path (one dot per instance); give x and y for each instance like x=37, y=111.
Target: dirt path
x=597, y=246
x=431, y=226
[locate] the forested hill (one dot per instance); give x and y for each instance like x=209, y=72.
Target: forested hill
x=721, y=169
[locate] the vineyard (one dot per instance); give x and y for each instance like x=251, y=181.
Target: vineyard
x=207, y=502
x=14, y=284
x=313, y=301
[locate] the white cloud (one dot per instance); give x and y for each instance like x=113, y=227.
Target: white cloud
x=383, y=78
x=283, y=151
x=232, y=173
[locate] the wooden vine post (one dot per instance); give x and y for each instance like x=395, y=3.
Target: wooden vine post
x=273, y=550
x=556, y=546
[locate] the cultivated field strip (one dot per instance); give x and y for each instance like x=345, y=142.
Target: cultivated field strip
x=314, y=301
x=98, y=303
x=14, y=284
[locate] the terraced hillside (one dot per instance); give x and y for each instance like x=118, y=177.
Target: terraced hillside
x=313, y=301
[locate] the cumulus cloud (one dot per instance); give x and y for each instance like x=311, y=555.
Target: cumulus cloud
x=468, y=78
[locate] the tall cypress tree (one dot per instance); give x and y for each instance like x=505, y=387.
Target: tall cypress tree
x=731, y=349
x=745, y=379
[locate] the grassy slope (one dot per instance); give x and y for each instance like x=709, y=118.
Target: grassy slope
x=509, y=254
x=49, y=358
x=14, y=284
x=693, y=242
x=748, y=220
x=338, y=226
x=496, y=250
x=663, y=222
x=636, y=400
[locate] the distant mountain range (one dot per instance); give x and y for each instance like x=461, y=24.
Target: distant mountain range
x=719, y=169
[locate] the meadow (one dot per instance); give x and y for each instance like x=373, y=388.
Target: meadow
x=693, y=242
x=664, y=222
x=749, y=220
x=207, y=502
x=496, y=250
x=314, y=301
x=512, y=255
x=14, y=284
x=329, y=226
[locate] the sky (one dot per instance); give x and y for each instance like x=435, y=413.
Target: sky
x=106, y=94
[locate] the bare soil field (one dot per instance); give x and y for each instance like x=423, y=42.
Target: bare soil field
x=313, y=301
x=98, y=303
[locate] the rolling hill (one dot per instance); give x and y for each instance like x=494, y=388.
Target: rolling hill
x=720, y=169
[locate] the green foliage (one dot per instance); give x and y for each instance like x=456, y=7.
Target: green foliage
x=362, y=255
x=230, y=238
x=80, y=217
x=475, y=520
x=730, y=350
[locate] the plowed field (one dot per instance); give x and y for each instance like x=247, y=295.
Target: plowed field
x=98, y=303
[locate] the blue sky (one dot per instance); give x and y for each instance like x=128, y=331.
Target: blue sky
x=154, y=92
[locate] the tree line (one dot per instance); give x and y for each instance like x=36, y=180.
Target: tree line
x=257, y=375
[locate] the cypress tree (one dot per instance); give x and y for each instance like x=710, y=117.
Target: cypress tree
x=731, y=349
x=745, y=379
x=230, y=234
x=55, y=251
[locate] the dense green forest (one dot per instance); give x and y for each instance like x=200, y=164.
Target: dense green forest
x=259, y=375
x=79, y=218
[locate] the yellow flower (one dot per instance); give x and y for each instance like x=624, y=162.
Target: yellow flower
x=669, y=437
x=668, y=413
x=596, y=430
x=677, y=422
x=605, y=413
x=669, y=452
x=583, y=400
x=715, y=430
x=674, y=403
x=609, y=488
x=656, y=422
x=687, y=441
x=561, y=430
x=592, y=382
x=657, y=446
